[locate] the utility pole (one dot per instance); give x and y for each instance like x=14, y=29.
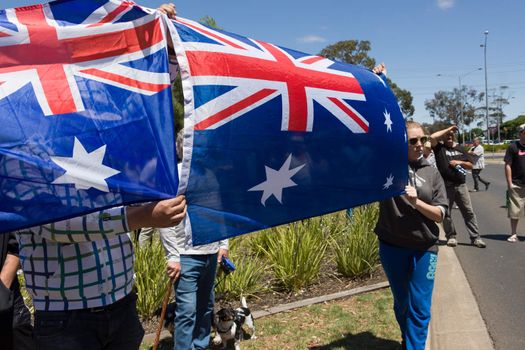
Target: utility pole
x=486, y=85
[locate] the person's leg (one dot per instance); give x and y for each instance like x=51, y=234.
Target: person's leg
x=186, y=300
x=515, y=210
x=22, y=328
x=448, y=225
x=421, y=285
x=475, y=177
x=485, y=182
x=126, y=331
x=6, y=327
x=465, y=207
x=205, y=302
x=396, y=265
x=66, y=330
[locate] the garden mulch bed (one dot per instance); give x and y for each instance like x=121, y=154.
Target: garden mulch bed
x=327, y=283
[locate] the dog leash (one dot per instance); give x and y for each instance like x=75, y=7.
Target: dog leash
x=163, y=313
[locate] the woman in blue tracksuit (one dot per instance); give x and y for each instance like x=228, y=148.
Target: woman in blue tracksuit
x=408, y=234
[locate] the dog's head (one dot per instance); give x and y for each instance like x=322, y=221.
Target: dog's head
x=226, y=314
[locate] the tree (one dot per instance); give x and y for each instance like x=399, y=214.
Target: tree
x=458, y=107
x=510, y=127
x=350, y=51
x=356, y=52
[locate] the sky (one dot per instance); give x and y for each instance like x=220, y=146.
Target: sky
x=427, y=45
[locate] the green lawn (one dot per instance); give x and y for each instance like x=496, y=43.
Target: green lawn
x=364, y=322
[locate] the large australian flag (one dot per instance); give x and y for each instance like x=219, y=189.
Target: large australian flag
x=274, y=135
x=86, y=118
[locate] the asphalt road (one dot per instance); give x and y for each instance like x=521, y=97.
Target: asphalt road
x=496, y=274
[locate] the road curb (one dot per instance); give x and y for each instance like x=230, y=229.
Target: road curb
x=456, y=320
x=317, y=300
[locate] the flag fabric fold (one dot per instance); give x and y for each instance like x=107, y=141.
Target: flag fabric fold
x=86, y=119
x=273, y=135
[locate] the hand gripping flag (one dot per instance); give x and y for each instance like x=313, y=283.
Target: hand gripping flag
x=273, y=135
x=86, y=119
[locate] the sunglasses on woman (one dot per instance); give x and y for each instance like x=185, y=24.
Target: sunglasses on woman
x=422, y=139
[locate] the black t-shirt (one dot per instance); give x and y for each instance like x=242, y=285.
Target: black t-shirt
x=444, y=155
x=515, y=156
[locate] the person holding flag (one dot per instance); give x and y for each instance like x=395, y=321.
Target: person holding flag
x=408, y=236
x=79, y=273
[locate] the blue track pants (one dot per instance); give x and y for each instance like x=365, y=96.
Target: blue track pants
x=411, y=276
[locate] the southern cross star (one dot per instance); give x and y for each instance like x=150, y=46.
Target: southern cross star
x=389, y=182
x=276, y=181
x=388, y=121
x=83, y=169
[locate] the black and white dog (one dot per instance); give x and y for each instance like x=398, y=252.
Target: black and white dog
x=229, y=324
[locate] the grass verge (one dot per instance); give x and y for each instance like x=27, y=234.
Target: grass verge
x=364, y=322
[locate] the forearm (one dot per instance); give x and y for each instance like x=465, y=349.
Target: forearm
x=170, y=242
x=431, y=212
x=8, y=273
x=508, y=175
x=440, y=135
x=467, y=165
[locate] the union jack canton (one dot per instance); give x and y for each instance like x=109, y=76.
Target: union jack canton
x=274, y=135
x=85, y=108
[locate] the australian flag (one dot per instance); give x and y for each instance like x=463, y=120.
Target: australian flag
x=86, y=119
x=273, y=135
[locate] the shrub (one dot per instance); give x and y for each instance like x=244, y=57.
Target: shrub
x=295, y=252
x=151, y=279
x=247, y=279
x=356, y=249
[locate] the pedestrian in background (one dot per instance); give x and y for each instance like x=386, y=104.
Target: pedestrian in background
x=453, y=162
x=408, y=236
x=515, y=176
x=429, y=154
x=478, y=156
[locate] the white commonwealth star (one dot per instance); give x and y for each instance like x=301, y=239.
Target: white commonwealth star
x=388, y=121
x=389, y=182
x=276, y=181
x=83, y=169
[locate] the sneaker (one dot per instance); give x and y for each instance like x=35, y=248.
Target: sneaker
x=513, y=238
x=478, y=242
x=452, y=242
x=474, y=190
x=487, y=186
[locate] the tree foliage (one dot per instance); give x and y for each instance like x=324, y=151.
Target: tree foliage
x=350, y=51
x=510, y=127
x=448, y=106
x=356, y=52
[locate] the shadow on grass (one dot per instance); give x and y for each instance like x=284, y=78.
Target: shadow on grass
x=361, y=341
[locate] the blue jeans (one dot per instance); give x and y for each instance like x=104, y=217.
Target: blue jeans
x=194, y=293
x=114, y=327
x=411, y=276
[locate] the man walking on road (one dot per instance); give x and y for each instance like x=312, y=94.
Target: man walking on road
x=452, y=161
x=478, y=155
x=515, y=175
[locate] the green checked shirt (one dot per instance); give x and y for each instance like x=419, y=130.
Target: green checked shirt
x=78, y=263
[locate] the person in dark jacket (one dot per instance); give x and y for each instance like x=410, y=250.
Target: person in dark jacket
x=16, y=331
x=453, y=161
x=408, y=236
